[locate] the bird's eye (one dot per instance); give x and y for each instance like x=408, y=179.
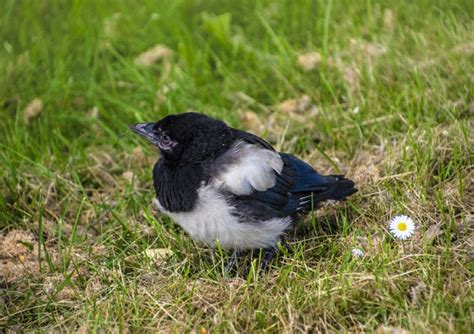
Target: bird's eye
x=165, y=139
x=166, y=142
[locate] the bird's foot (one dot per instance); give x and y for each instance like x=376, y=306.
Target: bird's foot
x=285, y=244
x=232, y=260
x=268, y=257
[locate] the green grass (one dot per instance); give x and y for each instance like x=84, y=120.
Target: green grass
x=407, y=65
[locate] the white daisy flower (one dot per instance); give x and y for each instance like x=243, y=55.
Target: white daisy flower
x=402, y=227
x=357, y=252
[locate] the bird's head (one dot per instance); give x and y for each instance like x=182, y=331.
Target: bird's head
x=187, y=137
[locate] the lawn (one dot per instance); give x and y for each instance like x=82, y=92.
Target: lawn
x=381, y=91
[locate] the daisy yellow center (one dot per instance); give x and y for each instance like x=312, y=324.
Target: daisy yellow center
x=402, y=226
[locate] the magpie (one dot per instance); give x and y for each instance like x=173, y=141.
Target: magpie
x=229, y=187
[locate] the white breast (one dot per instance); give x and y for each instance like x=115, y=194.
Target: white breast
x=214, y=219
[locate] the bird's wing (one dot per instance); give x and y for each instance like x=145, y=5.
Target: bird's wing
x=245, y=168
x=272, y=184
x=298, y=188
x=261, y=181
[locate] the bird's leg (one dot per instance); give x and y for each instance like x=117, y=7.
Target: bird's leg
x=232, y=260
x=268, y=256
x=284, y=243
x=271, y=251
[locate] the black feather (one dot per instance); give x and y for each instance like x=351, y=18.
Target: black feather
x=176, y=188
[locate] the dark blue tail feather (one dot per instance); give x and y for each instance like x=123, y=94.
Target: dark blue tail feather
x=311, y=188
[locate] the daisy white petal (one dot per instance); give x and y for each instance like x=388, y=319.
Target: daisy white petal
x=357, y=252
x=402, y=227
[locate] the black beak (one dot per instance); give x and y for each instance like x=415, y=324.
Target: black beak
x=145, y=130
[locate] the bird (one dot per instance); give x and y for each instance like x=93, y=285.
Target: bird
x=231, y=188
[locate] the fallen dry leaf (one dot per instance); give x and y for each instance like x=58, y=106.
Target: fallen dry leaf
x=102, y=176
x=110, y=24
x=388, y=19
x=94, y=286
x=309, y=61
x=158, y=254
x=349, y=72
x=433, y=231
x=251, y=121
x=125, y=84
x=32, y=110
x=139, y=155
x=464, y=48
x=367, y=48
x=128, y=176
x=154, y=54
x=102, y=159
x=83, y=329
x=391, y=330
x=272, y=126
x=300, y=110
x=351, y=75
x=110, y=28
x=93, y=112
x=296, y=105
x=367, y=167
